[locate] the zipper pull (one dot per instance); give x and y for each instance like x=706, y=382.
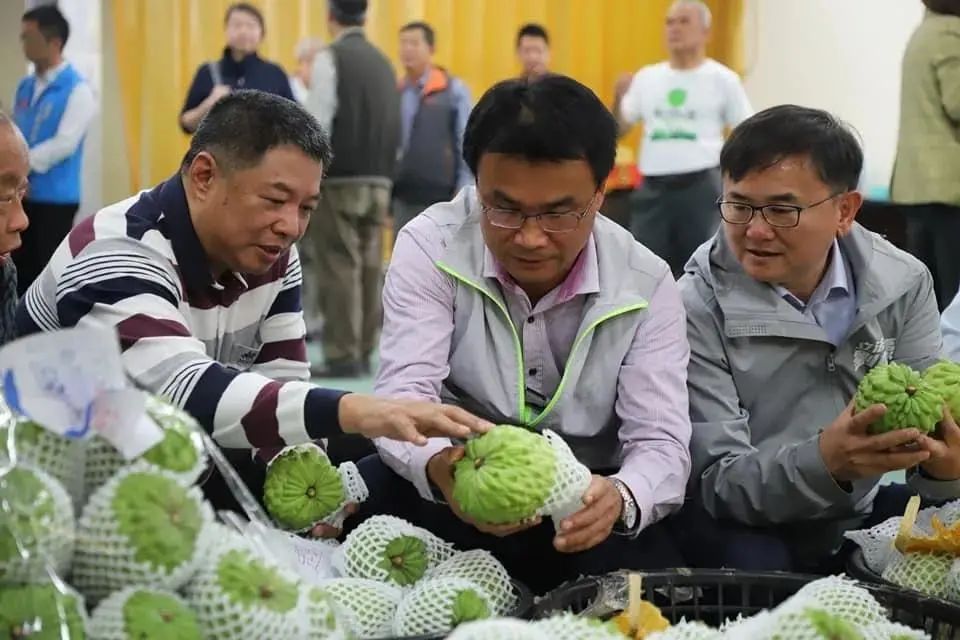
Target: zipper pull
x=831, y=363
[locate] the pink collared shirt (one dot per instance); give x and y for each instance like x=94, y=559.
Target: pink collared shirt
x=651, y=403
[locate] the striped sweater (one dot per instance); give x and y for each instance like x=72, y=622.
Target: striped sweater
x=231, y=353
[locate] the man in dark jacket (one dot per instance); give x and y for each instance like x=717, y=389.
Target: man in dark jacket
x=354, y=96
x=14, y=169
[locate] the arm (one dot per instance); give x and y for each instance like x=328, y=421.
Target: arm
x=322, y=99
x=414, y=345
x=737, y=108
x=200, y=99
x=80, y=110
x=627, y=102
x=652, y=405
x=137, y=294
x=734, y=478
x=947, y=69
x=463, y=107
x=283, y=354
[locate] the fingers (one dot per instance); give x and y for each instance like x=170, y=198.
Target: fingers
x=405, y=429
x=434, y=423
x=351, y=508
x=860, y=422
x=893, y=461
x=467, y=419
x=322, y=530
x=503, y=530
x=594, y=531
x=891, y=439
x=949, y=430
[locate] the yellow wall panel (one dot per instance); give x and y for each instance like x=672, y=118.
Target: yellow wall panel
x=160, y=43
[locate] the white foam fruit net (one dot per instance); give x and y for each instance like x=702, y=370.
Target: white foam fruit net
x=362, y=553
x=62, y=458
x=686, y=630
x=109, y=620
x=571, y=482
x=324, y=618
x=485, y=571
x=106, y=560
x=498, y=629
x=753, y=627
x=239, y=594
x=798, y=619
x=845, y=599
x=438, y=605
x=366, y=606
x=102, y=460
x=37, y=527
x=892, y=631
x=567, y=626
x=923, y=572
x=953, y=581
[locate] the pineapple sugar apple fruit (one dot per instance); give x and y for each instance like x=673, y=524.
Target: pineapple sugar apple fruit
x=505, y=475
x=844, y=598
x=367, y=606
x=498, y=629
x=302, y=487
x=924, y=572
x=567, y=626
x=40, y=612
x=62, y=458
x=438, y=605
x=142, y=528
x=685, y=630
x=390, y=550
x=37, y=526
x=137, y=613
x=485, y=571
x=944, y=378
x=324, y=617
x=910, y=401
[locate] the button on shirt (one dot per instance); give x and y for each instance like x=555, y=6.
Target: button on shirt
x=833, y=304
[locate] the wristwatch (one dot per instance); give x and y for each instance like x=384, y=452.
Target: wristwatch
x=628, y=522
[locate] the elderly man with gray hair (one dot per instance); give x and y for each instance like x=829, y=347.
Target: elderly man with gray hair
x=14, y=169
x=686, y=103
x=305, y=51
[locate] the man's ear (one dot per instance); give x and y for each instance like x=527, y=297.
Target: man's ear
x=850, y=204
x=201, y=173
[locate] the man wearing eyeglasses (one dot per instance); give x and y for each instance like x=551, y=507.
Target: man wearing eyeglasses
x=788, y=307
x=14, y=171
x=521, y=303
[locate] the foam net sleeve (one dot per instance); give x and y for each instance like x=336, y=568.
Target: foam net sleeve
x=368, y=607
x=429, y=607
x=485, y=571
x=571, y=482
x=923, y=572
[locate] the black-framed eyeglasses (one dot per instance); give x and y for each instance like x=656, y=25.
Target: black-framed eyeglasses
x=549, y=221
x=783, y=216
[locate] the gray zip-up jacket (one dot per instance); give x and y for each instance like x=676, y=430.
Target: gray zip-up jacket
x=764, y=382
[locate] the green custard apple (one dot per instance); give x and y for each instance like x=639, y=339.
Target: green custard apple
x=302, y=487
x=368, y=607
x=505, y=475
x=238, y=594
x=567, y=626
x=324, y=617
x=485, y=571
x=498, y=629
x=910, y=402
x=40, y=612
x=61, y=457
x=390, y=550
x=436, y=606
x=686, y=630
x=843, y=598
x=944, y=378
x=37, y=526
x=180, y=452
x=137, y=613
x=142, y=528
x=924, y=572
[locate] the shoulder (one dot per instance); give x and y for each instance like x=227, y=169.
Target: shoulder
x=721, y=71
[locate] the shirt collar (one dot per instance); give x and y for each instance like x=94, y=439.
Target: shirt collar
x=583, y=278
x=51, y=74
x=834, y=284
x=350, y=31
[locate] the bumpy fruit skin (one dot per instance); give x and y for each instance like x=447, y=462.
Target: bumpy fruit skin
x=149, y=615
x=467, y=607
x=944, y=377
x=910, y=402
x=405, y=559
x=302, y=488
x=505, y=475
x=250, y=583
x=28, y=605
x=158, y=517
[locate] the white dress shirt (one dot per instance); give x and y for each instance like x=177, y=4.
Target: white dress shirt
x=80, y=110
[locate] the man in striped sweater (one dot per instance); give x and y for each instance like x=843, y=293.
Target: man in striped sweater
x=201, y=279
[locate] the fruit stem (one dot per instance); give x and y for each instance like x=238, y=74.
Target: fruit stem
x=911, y=390
x=478, y=463
x=311, y=492
x=166, y=616
x=397, y=561
x=266, y=592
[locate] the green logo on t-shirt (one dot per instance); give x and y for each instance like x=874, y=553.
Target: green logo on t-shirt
x=674, y=120
x=677, y=97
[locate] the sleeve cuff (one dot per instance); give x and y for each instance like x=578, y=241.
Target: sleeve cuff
x=813, y=471
x=321, y=412
x=932, y=489
x=642, y=496
x=419, y=457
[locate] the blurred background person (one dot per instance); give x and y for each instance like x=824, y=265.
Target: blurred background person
x=533, y=51
x=305, y=51
x=354, y=96
x=434, y=107
x=927, y=165
x=53, y=107
x=239, y=68
x=685, y=103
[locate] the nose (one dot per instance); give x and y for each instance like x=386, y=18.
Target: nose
x=18, y=221
x=759, y=229
x=287, y=224
x=531, y=235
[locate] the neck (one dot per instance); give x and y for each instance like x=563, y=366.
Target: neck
x=415, y=73
x=804, y=290
x=336, y=29
x=45, y=65
x=690, y=59
x=217, y=268
x=237, y=55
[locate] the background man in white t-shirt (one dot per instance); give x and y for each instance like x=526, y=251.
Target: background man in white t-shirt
x=686, y=104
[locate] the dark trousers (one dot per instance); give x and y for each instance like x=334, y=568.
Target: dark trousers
x=49, y=225
x=708, y=543
x=529, y=556
x=673, y=215
x=932, y=231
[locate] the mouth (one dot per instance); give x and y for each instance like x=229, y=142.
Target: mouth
x=762, y=254
x=272, y=251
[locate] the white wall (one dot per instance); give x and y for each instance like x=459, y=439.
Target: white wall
x=839, y=55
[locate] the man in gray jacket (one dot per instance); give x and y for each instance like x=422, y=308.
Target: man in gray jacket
x=787, y=308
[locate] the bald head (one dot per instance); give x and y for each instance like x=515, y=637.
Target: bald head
x=14, y=170
x=9, y=128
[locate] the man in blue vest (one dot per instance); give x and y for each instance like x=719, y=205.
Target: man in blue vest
x=53, y=108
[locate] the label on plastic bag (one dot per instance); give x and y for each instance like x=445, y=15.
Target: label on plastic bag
x=311, y=559
x=54, y=378
x=120, y=418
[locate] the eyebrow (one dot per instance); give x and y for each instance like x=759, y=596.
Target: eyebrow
x=779, y=197
x=279, y=186
x=565, y=201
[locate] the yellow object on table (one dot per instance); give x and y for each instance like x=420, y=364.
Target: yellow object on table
x=945, y=540
x=641, y=617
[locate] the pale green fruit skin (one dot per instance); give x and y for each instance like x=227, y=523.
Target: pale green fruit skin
x=469, y=606
x=22, y=604
x=405, y=559
x=251, y=583
x=150, y=615
x=911, y=402
x=160, y=520
x=944, y=377
x=302, y=488
x=832, y=627
x=505, y=475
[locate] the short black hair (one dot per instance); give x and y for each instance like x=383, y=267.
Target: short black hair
x=244, y=125
x=245, y=7
x=532, y=30
x=790, y=130
x=428, y=33
x=553, y=119
x=50, y=22
x=349, y=13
